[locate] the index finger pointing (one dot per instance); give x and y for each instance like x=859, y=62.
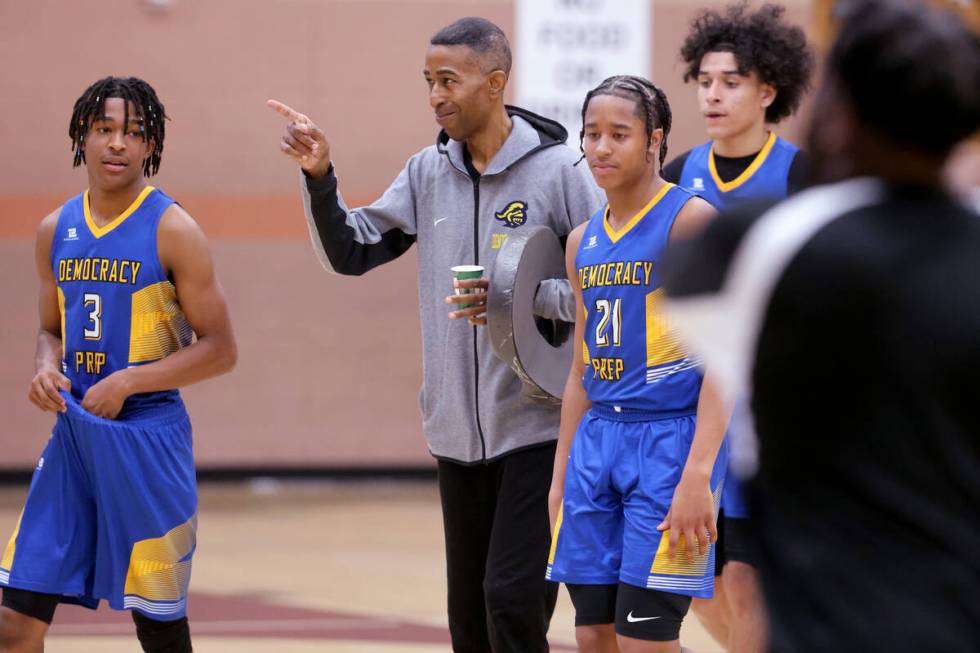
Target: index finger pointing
x=285, y=110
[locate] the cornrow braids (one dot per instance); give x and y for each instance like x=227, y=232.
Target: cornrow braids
x=651, y=105
x=91, y=105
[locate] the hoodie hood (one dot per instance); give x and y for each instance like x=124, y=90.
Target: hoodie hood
x=529, y=134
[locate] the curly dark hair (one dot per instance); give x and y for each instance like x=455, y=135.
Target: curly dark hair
x=761, y=42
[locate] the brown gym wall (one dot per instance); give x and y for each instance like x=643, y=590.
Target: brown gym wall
x=329, y=366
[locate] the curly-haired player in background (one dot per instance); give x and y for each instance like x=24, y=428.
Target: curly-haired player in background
x=850, y=315
x=752, y=69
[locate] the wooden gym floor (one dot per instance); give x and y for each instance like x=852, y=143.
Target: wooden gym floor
x=303, y=566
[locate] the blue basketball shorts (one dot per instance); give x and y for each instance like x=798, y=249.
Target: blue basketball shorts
x=734, y=502
x=620, y=480
x=111, y=514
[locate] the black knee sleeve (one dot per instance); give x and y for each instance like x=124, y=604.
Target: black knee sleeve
x=648, y=614
x=594, y=604
x=32, y=604
x=163, y=636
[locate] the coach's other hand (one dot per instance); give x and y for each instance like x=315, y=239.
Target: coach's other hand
x=303, y=141
x=477, y=313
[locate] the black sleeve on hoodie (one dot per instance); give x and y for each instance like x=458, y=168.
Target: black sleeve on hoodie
x=346, y=254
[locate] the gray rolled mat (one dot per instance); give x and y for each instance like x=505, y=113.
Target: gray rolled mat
x=538, y=350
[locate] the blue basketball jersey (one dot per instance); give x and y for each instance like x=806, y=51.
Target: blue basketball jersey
x=765, y=178
x=118, y=308
x=634, y=359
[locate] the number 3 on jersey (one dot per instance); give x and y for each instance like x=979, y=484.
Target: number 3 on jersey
x=610, y=313
x=95, y=316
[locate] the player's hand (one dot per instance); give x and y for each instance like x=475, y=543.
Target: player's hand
x=106, y=398
x=44, y=392
x=303, y=141
x=477, y=313
x=691, y=517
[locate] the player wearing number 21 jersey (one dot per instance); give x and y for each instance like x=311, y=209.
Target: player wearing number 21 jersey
x=640, y=459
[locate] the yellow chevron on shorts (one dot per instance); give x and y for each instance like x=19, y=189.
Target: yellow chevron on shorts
x=158, y=570
x=681, y=564
x=8, y=555
x=554, y=537
x=663, y=345
x=158, y=327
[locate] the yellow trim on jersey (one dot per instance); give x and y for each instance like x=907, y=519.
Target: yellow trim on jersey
x=760, y=158
x=615, y=235
x=98, y=231
x=160, y=567
x=61, y=309
x=663, y=344
x=554, y=536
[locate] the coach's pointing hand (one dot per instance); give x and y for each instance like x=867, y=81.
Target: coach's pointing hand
x=303, y=141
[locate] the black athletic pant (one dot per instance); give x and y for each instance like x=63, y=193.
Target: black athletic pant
x=497, y=542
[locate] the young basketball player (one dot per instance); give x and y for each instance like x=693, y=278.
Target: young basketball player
x=751, y=68
x=638, y=460
x=126, y=285
x=850, y=315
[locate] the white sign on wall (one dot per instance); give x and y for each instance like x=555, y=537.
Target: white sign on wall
x=566, y=47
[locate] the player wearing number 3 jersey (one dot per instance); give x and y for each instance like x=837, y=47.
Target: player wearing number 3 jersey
x=126, y=284
x=640, y=461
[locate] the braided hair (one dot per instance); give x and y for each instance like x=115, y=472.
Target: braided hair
x=651, y=105
x=149, y=110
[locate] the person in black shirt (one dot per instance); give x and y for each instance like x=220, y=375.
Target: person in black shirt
x=850, y=314
x=752, y=69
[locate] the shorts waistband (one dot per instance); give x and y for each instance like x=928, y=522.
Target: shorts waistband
x=175, y=412
x=619, y=414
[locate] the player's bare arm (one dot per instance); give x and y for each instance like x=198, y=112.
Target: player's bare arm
x=48, y=380
x=303, y=141
x=692, y=510
x=186, y=258
x=691, y=220
x=575, y=402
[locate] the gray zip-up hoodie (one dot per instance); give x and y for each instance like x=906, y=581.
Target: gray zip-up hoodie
x=472, y=406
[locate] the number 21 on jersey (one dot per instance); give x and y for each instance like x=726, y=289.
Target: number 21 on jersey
x=610, y=315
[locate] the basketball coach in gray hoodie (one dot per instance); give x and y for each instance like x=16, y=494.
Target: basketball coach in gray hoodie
x=494, y=170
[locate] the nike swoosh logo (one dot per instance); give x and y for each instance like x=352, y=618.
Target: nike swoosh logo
x=630, y=618
x=436, y=223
